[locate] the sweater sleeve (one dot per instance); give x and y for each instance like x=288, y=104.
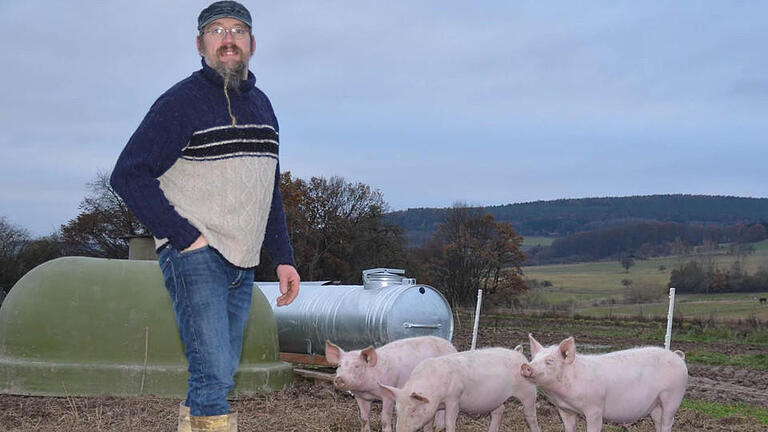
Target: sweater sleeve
x=153, y=148
x=276, y=240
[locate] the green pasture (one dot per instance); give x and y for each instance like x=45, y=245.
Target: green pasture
x=756, y=361
x=718, y=306
x=718, y=410
x=642, y=331
x=596, y=289
x=595, y=280
x=761, y=246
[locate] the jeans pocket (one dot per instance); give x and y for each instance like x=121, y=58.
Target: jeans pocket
x=195, y=251
x=164, y=258
x=168, y=268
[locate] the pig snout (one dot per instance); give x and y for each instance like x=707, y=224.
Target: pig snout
x=526, y=370
x=339, y=383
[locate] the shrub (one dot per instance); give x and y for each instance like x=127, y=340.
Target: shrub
x=644, y=292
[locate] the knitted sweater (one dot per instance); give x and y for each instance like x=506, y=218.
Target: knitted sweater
x=187, y=170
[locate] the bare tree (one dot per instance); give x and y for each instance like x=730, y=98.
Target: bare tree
x=472, y=251
x=102, y=224
x=13, y=238
x=337, y=228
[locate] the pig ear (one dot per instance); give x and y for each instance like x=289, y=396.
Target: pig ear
x=419, y=397
x=389, y=391
x=369, y=355
x=568, y=350
x=519, y=349
x=332, y=353
x=535, y=345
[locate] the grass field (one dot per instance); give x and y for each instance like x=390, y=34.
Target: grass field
x=595, y=288
x=761, y=246
x=718, y=410
x=715, y=306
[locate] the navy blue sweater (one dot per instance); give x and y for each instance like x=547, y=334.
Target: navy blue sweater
x=188, y=132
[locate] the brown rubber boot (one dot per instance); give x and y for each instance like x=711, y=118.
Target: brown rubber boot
x=184, y=425
x=219, y=423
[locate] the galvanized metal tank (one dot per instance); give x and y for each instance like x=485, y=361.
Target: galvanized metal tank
x=387, y=307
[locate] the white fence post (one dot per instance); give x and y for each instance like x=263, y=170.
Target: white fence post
x=670, y=314
x=477, y=318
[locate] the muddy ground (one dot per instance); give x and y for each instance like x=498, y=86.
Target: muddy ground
x=310, y=406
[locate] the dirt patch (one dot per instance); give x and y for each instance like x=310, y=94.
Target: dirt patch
x=302, y=408
x=728, y=384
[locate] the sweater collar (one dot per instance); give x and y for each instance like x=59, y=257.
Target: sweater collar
x=214, y=77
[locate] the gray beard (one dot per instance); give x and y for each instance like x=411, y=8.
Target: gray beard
x=233, y=76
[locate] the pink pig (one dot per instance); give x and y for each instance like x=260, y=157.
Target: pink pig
x=476, y=382
x=620, y=387
x=360, y=371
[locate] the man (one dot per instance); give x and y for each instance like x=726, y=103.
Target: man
x=202, y=173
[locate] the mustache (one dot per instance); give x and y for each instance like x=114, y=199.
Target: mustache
x=230, y=47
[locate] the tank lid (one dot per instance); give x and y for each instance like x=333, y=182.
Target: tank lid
x=381, y=277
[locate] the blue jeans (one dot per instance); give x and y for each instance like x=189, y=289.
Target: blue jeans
x=211, y=302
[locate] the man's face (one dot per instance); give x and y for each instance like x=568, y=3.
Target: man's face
x=228, y=50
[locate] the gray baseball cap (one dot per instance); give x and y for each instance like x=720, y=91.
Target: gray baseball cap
x=223, y=9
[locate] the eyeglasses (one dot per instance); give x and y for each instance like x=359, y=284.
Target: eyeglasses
x=219, y=32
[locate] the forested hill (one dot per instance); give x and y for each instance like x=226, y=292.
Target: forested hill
x=564, y=217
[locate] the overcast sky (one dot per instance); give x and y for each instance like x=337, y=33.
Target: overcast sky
x=431, y=102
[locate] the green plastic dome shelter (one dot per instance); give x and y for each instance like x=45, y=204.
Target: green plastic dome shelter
x=89, y=326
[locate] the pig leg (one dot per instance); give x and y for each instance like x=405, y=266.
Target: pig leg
x=387, y=405
x=529, y=409
x=667, y=421
x=451, y=415
x=569, y=419
x=594, y=421
x=496, y=416
x=668, y=409
x=440, y=420
x=656, y=417
x=365, y=414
